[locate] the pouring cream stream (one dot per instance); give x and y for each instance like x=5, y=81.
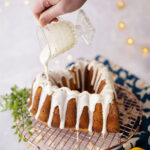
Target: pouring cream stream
x=60, y=37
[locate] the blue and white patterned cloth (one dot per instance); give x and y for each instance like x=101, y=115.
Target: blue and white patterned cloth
x=142, y=92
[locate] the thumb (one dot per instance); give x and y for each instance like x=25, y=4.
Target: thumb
x=50, y=14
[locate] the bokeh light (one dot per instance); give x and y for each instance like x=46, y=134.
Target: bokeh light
x=130, y=41
x=69, y=57
x=26, y=2
x=121, y=25
x=6, y=3
x=145, y=50
x=56, y=62
x=120, y=4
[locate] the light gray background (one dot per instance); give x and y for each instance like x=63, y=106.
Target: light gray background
x=19, y=48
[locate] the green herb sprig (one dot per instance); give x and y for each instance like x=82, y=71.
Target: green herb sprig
x=16, y=101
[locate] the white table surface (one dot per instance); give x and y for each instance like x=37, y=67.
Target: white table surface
x=19, y=48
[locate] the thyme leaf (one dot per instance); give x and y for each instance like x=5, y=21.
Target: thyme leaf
x=17, y=103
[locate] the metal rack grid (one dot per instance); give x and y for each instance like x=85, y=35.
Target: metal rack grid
x=130, y=117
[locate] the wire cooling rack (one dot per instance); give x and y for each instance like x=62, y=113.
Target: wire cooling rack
x=130, y=117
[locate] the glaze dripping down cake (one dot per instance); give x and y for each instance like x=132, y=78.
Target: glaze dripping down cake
x=82, y=98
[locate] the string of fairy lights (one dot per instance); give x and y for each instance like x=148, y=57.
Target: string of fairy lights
x=122, y=25
x=6, y=4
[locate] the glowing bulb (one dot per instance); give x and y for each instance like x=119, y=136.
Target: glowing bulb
x=145, y=50
x=120, y=4
x=6, y=4
x=69, y=57
x=121, y=25
x=130, y=41
x=26, y=2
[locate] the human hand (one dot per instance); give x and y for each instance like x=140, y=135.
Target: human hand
x=47, y=10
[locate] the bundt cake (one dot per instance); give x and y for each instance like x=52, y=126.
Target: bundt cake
x=82, y=98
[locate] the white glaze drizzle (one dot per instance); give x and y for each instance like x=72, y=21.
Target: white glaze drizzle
x=44, y=58
x=41, y=102
x=82, y=101
x=61, y=96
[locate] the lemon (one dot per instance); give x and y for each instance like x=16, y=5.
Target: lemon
x=137, y=148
